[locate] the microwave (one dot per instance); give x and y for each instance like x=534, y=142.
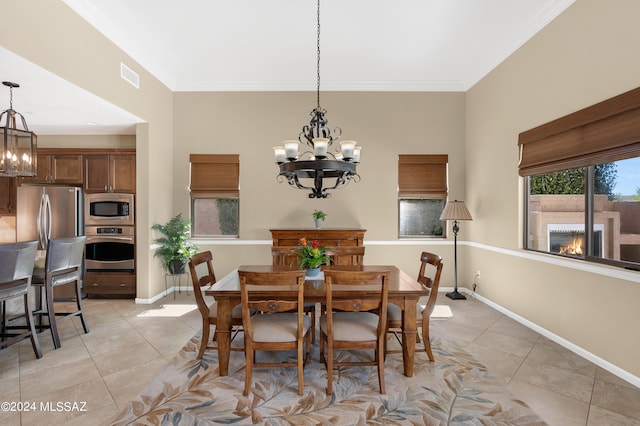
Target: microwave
x=108, y=209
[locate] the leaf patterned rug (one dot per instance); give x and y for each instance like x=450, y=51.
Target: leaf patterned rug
x=454, y=390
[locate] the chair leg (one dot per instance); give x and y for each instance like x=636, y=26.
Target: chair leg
x=249, y=358
x=380, y=359
x=52, y=318
x=329, y=367
x=79, y=308
x=33, y=335
x=4, y=317
x=300, y=369
x=206, y=327
x=426, y=339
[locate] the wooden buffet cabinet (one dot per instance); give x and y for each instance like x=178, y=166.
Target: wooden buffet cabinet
x=326, y=237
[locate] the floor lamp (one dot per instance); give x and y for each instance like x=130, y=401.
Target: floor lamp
x=455, y=210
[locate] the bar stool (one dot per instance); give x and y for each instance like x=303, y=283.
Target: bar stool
x=63, y=266
x=16, y=269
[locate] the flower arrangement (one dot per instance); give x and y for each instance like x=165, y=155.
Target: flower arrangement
x=311, y=254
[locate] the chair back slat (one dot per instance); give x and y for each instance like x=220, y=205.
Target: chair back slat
x=202, y=275
x=429, y=275
x=285, y=256
x=362, y=283
x=345, y=255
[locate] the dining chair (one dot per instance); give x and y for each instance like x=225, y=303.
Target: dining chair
x=63, y=266
x=357, y=323
x=286, y=256
x=16, y=269
x=345, y=255
x=279, y=325
x=203, y=278
x=429, y=276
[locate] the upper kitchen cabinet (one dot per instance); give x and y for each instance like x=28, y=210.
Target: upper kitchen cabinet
x=8, y=195
x=57, y=167
x=110, y=173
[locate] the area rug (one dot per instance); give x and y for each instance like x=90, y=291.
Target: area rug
x=454, y=390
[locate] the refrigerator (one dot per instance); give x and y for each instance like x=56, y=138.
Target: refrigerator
x=44, y=212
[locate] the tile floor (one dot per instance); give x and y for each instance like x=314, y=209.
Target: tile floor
x=129, y=344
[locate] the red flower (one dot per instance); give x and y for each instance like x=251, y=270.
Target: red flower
x=315, y=244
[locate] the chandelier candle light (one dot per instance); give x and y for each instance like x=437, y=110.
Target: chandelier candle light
x=18, y=146
x=309, y=170
x=455, y=210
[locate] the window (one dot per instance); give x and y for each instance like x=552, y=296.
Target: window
x=422, y=195
x=215, y=195
x=582, y=183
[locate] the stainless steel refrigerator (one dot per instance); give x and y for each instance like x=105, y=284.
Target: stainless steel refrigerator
x=44, y=212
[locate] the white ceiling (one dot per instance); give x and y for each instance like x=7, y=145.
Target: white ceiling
x=213, y=45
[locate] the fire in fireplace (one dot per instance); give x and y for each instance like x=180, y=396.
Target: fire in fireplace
x=568, y=239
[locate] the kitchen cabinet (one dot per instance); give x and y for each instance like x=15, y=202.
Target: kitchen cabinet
x=110, y=173
x=121, y=284
x=58, y=168
x=326, y=237
x=8, y=195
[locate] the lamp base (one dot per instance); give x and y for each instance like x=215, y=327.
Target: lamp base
x=456, y=296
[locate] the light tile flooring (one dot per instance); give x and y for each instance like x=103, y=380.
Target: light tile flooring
x=129, y=344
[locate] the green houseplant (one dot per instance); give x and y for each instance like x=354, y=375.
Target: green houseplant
x=175, y=248
x=318, y=217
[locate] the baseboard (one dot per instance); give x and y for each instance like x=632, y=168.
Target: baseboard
x=613, y=369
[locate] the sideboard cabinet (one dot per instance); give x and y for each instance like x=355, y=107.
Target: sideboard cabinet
x=326, y=237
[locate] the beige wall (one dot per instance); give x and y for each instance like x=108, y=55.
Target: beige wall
x=585, y=56
x=385, y=124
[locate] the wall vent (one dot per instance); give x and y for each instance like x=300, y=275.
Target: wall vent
x=129, y=75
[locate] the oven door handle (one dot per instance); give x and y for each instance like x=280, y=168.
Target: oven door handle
x=109, y=239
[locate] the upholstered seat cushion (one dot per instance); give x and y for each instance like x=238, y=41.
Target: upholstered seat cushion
x=352, y=326
x=236, y=312
x=280, y=327
x=394, y=313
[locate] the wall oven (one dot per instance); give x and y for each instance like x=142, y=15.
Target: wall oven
x=109, y=209
x=110, y=249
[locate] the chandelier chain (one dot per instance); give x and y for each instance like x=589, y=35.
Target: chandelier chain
x=318, y=60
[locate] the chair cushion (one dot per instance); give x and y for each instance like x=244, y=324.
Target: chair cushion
x=352, y=326
x=236, y=312
x=280, y=327
x=394, y=313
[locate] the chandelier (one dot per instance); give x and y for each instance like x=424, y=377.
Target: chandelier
x=318, y=170
x=18, y=146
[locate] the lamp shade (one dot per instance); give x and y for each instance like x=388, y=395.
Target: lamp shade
x=455, y=210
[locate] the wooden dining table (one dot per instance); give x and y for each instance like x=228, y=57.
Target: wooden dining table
x=404, y=291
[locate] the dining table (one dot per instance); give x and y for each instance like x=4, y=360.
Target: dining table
x=404, y=291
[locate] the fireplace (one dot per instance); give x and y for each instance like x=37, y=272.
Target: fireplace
x=568, y=239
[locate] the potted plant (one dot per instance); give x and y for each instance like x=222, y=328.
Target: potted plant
x=311, y=256
x=319, y=216
x=175, y=248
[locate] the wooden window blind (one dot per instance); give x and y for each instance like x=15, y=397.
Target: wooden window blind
x=422, y=176
x=605, y=132
x=215, y=174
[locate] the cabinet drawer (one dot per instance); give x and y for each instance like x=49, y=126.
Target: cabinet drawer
x=109, y=283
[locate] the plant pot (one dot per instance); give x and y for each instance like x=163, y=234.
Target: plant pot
x=312, y=272
x=176, y=267
x=319, y=223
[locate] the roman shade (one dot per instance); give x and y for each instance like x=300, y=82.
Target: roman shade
x=602, y=133
x=215, y=174
x=422, y=176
